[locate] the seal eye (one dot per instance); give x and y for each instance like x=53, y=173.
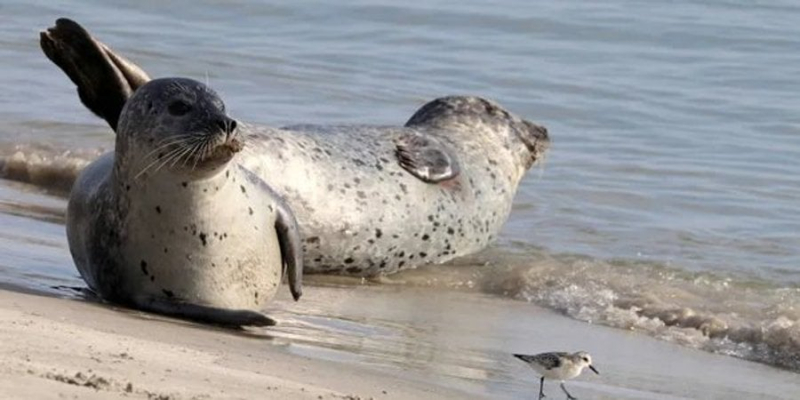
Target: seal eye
x=179, y=108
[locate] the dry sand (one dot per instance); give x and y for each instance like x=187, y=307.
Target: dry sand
x=53, y=348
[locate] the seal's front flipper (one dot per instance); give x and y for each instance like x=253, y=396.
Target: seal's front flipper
x=426, y=157
x=205, y=314
x=105, y=80
x=291, y=249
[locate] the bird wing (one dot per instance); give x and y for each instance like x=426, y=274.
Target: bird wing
x=549, y=360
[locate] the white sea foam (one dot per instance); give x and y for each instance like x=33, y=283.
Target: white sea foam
x=44, y=166
x=746, y=318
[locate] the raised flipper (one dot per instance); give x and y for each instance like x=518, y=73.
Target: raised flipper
x=205, y=314
x=104, y=79
x=291, y=249
x=426, y=157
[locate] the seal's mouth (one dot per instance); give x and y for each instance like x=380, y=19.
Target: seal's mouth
x=535, y=138
x=221, y=144
x=225, y=150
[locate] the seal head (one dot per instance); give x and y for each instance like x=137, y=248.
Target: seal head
x=179, y=123
x=467, y=112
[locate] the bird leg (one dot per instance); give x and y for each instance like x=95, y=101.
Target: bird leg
x=541, y=389
x=569, y=396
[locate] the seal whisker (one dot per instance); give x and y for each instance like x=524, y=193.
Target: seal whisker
x=203, y=152
x=167, y=156
x=186, y=153
x=156, y=161
x=195, y=147
x=164, y=157
x=169, y=138
x=542, y=161
x=160, y=146
x=173, y=156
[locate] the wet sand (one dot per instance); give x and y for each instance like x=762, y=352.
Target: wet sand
x=349, y=342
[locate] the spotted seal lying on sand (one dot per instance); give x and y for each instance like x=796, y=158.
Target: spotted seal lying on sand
x=171, y=222
x=369, y=200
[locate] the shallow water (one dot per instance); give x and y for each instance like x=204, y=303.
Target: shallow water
x=669, y=202
x=464, y=341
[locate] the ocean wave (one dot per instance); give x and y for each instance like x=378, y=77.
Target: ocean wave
x=45, y=166
x=737, y=316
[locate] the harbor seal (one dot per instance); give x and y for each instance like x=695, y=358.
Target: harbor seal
x=369, y=199
x=171, y=222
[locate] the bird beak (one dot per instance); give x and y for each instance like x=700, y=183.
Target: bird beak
x=591, y=367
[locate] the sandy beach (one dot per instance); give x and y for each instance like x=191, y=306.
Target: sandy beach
x=406, y=345
x=54, y=349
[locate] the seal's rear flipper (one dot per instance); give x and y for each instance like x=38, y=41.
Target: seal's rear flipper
x=205, y=314
x=426, y=157
x=105, y=80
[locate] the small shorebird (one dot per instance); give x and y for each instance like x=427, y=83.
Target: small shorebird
x=557, y=365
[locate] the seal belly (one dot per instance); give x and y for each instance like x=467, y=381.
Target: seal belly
x=221, y=251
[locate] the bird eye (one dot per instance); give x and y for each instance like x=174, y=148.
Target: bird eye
x=179, y=107
x=585, y=359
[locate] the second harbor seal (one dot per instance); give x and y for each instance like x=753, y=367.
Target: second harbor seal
x=171, y=222
x=369, y=200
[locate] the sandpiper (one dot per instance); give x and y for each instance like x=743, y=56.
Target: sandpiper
x=558, y=365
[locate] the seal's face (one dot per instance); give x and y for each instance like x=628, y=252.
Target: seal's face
x=180, y=124
x=534, y=137
x=468, y=113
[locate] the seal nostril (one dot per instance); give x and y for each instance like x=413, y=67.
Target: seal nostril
x=227, y=125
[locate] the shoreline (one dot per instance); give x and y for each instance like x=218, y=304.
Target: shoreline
x=58, y=348
x=349, y=342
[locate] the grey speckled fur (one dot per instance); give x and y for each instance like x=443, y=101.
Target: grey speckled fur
x=363, y=214
x=361, y=209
